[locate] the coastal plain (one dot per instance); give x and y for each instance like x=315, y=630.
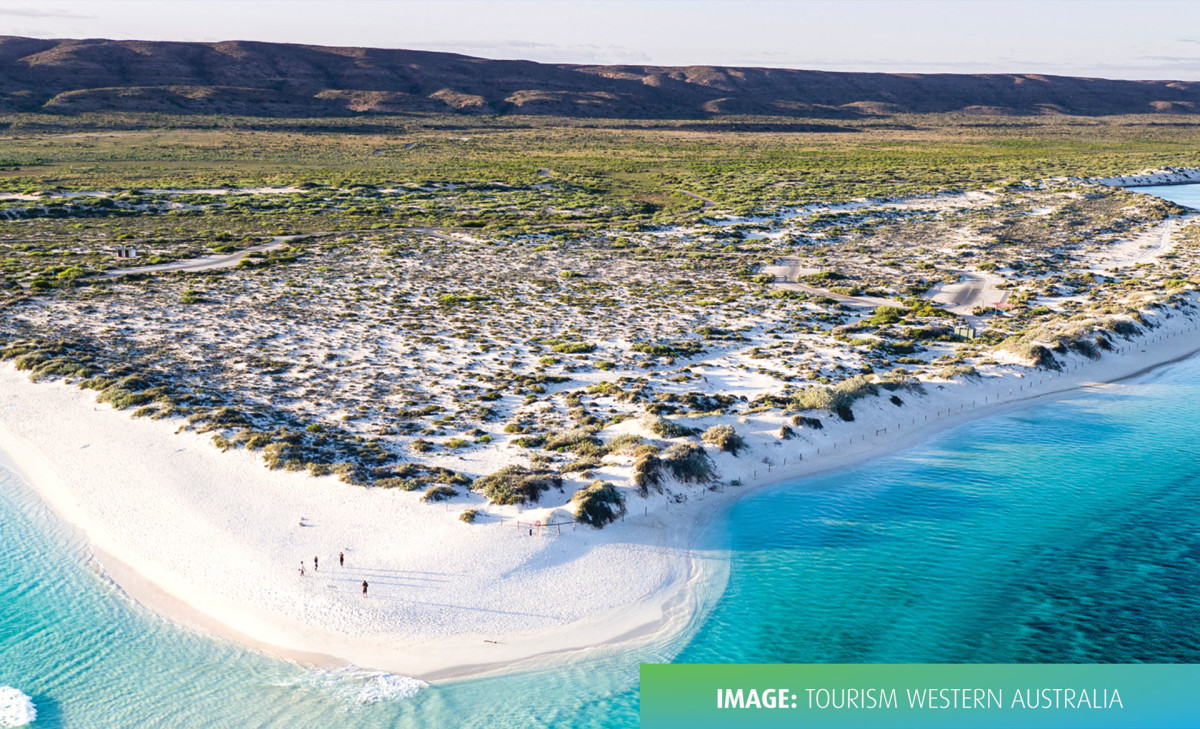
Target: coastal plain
x=510, y=382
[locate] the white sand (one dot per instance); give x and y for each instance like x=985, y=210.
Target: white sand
x=1164, y=176
x=214, y=539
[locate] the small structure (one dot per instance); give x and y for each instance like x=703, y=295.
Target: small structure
x=966, y=332
x=126, y=252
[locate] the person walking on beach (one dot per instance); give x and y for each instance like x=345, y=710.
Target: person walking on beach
x=301, y=568
x=364, y=588
x=341, y=559
x=314, y=564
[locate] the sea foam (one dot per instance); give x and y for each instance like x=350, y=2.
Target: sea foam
x=16, y=709
x=357, y=687
x=388, y=687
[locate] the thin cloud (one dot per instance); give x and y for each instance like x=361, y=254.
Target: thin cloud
x=38, y=13
x=545, y=52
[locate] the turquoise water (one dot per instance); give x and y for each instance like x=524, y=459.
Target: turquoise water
x=1068, y=531
x=89, y=657
x=1186, y=195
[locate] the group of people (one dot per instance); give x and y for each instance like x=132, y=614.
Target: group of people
x=341, y=563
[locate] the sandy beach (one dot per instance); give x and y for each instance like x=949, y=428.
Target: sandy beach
x=216, y=541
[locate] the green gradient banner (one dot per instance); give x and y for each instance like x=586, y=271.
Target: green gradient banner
x=698, y=696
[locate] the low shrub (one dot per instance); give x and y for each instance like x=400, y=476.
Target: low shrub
x=647, y=472
x=517, y=484
x=670, y=349
x=964, y=371
x=689, y=463
x=439, y=493
x=582, y=464
x=574, y=348
x=598, y=504
x=623, y=442
x=725, y=438
x=887, y=315
x=803, y=421
x=571, y=440
x=664, y=428
x=837, y=399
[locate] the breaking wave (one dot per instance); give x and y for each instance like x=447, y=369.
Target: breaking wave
x=16, y=709
x=358, y=687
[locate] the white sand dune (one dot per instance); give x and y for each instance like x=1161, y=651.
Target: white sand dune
x=1165, y=176
x=215, y=540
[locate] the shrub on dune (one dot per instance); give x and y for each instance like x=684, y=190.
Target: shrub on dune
x=598, y=504
x=689, y=463
x=664, y=428
x=517, y=484
x=571, y=440
x=725, y=438
x=803, y=421
x=647, y=470
x=439, y=493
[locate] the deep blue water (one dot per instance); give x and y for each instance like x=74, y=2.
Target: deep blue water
x=1067, y=531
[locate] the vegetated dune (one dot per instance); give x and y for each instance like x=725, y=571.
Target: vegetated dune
x=276, y=79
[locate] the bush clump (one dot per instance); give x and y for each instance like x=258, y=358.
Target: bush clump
x=413, y=476
x=965, y=371
x=647, y=471
x=1124, y=327
x=887, y=315
x=571, y=440
x=689, y=463
x=574, y=348
x=468, y=516
x=623, y=442
x=598, y=504
x=838, y=399
x=517, y=484
x=439, y=493
x=669, y=349
x=804, y=421
x=664, y=428
x=725, y=438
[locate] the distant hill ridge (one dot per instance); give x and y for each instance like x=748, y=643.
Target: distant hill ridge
x=276, y=79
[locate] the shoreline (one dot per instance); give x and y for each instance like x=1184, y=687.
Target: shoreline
x=666, y=540
x=1152, y=178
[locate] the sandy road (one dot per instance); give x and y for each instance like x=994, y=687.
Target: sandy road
x=974, y=288
x=787, y=276
x=207, y=263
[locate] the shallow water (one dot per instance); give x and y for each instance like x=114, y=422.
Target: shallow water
x=1186, y=195
x=1068, y=531
x=1063, y=533
x=90, y=657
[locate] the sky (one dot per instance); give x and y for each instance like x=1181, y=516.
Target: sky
x=1151, y=39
